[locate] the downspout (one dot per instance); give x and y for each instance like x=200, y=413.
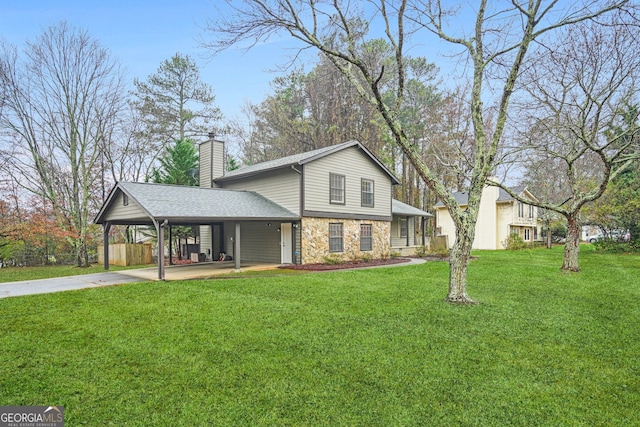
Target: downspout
x=298, y=259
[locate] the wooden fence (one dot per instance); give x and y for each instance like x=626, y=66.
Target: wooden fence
x=127, y=254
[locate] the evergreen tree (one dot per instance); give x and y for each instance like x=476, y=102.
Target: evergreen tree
x=178, y=166
x=174, y=103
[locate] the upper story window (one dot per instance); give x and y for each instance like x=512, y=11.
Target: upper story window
x=531, y=211
x=336, y=192
x=367, y=192
x=125, y=200
x=520, y=210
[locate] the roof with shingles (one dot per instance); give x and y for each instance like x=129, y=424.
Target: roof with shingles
x=300, y=159
x=400, y=208
x=462, y=197
x=195, y=204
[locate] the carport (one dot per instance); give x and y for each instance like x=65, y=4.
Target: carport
x=162, y=206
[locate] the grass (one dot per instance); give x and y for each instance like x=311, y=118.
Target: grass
x=14, y=274
x=369, y=347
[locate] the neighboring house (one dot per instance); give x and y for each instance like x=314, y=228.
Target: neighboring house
x=334, y=201
x=500, y=215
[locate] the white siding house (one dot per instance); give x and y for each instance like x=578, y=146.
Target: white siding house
x=499, y=216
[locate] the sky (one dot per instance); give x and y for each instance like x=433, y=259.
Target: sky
x=141, y=34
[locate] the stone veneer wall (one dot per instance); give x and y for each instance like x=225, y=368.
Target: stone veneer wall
x=315, y=239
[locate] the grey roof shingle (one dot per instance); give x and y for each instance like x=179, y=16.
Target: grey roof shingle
x=193, y=204
x=462, y=197
x=400, y=208
x=300, y=159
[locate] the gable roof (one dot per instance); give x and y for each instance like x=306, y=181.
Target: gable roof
x=462, y=197
x=194, y=205
x=301, y=159
x=400, y=208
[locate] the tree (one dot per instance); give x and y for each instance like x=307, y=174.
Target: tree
x=619, y=206
x=578, y=116
x=496, y=50
x=167, y=102
x=179, y=166
x=61, y=99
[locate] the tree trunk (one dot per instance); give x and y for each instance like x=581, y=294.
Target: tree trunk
x=458, y=266
x=82, y=256
x=572, y=245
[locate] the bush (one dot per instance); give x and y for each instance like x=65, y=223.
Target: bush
x=333, y=259
x=610, y=245
x=514, y=242
x=422, y=251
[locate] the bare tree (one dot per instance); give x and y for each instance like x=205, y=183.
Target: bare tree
x=61, y=100
x=496, y=50
x=576, y=120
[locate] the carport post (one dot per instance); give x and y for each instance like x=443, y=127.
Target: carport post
x=236, y=247
x=171, y=247
x=160, y=228
x=105, y=244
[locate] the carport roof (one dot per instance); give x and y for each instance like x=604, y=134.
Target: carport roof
x=187, y=205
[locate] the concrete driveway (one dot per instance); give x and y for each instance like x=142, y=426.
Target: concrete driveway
x=69, y=283
x=108, y=278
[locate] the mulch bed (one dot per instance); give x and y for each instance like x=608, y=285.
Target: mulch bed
x=357, y=264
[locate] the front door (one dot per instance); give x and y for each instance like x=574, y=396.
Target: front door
x=285, y=243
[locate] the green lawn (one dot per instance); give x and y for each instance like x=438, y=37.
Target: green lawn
x=368, y=348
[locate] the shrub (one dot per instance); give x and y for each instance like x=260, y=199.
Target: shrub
x=366, y=257
x=333, y=259
x=440, y=251
x=422, y=251
x=609, y=245
x=514, y=242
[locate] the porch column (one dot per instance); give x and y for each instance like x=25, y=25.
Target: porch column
x=409, y=230
x=160, y=228
x=236, y=247
x=105, y=244
x=171, y=246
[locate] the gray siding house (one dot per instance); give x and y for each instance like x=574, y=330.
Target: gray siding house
x=331, y=202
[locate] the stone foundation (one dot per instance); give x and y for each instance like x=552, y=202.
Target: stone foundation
x=315, y=239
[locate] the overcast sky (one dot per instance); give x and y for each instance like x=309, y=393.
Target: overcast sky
x=141, y=34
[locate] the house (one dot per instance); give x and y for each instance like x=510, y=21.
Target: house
x=331, y=202
x=499, y=216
